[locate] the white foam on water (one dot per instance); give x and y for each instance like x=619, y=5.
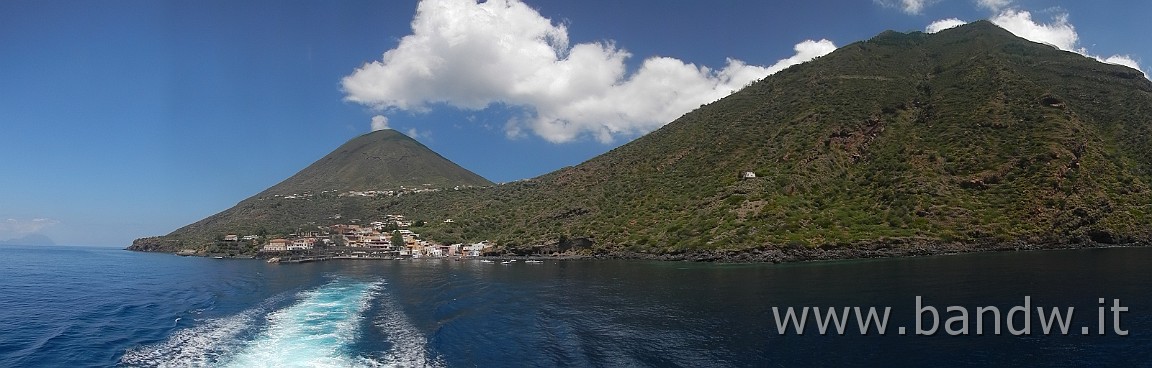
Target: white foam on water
x=317, y=331
x=409, y=346
x=198, y=346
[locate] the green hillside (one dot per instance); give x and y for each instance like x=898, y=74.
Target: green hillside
x=971, y=135
x=380, y=161
x=384, y=159
x=963, y=138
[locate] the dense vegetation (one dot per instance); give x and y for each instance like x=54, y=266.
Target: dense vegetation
x=965, y=136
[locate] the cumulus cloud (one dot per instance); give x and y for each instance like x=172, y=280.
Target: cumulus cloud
x=994, y=5
x=943, y=24
x=14, y=228
x=1124, y=60
x=907, y=6
x=805, y=51
x=913, y=6
x=379, y=122
x=414, y=133
x=472, y=56
x=1060, y=33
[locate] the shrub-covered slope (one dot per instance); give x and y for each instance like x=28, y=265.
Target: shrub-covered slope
x=970, y=135
x=384, y=160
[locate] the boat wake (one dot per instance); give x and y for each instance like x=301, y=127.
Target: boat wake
x=318, y=331
x=321, y=329
x=409, y=346
x=198, y=346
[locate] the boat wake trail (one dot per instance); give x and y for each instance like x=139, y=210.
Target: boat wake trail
x=319, y=330
x=409, y=347
x=199, y=346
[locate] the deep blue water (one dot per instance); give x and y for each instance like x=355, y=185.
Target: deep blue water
x=83, y=306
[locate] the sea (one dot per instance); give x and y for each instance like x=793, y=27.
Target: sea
x=102, y=307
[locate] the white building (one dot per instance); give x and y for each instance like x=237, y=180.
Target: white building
x=475, y=250
x=276, y=245
x=300, y=244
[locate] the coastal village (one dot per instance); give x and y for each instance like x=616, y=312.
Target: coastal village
x=390, y=238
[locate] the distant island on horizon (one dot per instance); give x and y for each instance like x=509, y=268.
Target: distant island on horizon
x=30, y=239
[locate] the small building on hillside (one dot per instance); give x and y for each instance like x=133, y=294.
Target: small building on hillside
x=747, y=175
x=276, y=245
x=475, y=250
x=301, y=244
x=380, y=241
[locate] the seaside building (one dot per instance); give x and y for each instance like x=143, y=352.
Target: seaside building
x=301, y=244
x=276, y=245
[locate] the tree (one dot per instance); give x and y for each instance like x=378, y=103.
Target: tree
x=397, y=239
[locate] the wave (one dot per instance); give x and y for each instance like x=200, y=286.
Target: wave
x=409, y=346
x=321, y=329
x=198, y=346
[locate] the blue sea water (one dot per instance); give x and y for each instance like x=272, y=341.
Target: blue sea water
x=85, y=306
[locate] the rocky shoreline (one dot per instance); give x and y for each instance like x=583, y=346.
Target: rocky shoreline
x=886, y=250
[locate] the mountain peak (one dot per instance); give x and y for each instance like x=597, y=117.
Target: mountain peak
x=385, y=133
x=980, y=28
x=379, y=160
x=983, y=25
x=383, y=161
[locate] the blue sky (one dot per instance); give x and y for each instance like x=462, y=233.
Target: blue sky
x=122, y=119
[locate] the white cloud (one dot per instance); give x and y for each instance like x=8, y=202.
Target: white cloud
x=502, y=52
x=1059, y=33
x=379, y=122
x=913, y=6
x=907, y=6
x=805, y=51
x=414, y=133
x=994, y=5
x=14, y=228
x=1124, y=60
x=943, y=24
